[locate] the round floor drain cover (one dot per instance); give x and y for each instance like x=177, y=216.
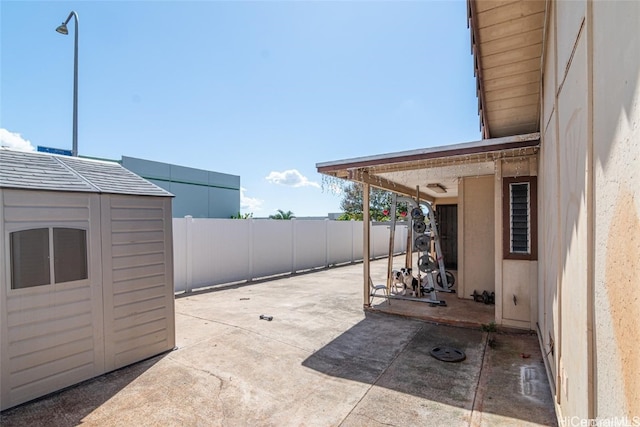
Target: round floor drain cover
x=448, y=354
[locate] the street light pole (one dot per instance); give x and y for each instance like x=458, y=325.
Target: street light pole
x=62, y=29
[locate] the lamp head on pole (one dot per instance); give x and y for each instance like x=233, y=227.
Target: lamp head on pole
x=62, y=29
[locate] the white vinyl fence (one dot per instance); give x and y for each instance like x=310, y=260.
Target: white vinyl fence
x=210, y=251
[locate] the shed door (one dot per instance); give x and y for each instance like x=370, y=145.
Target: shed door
x=447, y=217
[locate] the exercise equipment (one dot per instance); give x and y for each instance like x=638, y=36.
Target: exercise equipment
x=444, y=279
x=485, y=297
x=416, y=213
x=451, y=279
x=426, y=263
x=422, y=233
x=448, y=354
x=476, y=296
x=423, y=242
x=419, y=226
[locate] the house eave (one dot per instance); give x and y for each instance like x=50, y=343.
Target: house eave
x=339, y=168
x=507, y=38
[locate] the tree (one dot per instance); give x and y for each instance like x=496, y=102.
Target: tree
x=242, y=216
x=282, y=215
x=379, y=203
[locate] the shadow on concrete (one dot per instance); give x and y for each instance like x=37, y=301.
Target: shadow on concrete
x=394, y=353
x=68, y=407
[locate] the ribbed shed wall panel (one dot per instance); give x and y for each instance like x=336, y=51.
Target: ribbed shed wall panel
x=51, y=334
x=137, y=260
x=56, y=335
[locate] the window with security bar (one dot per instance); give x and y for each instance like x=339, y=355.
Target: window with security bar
x=520, y=218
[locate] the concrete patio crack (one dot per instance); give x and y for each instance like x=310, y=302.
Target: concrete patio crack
x=475, y=417
x=222, y=382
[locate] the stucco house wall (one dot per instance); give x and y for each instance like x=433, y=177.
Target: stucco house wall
x=475, y=236
x=616, y=210
x=590, y=240
x=516, y=279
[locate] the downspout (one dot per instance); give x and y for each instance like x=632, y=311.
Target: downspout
x=561, y=242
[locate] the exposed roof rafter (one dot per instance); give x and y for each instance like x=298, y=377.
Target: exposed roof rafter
x=384, y=184
x=507, y=38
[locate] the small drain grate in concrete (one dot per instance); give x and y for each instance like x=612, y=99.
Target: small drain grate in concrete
x=448, y=354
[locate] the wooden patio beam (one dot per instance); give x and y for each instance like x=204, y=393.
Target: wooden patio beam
x=385, y=184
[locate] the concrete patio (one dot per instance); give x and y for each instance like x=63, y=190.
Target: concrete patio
x=321, y=361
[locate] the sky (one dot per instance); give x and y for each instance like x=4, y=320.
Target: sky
x=260, y=89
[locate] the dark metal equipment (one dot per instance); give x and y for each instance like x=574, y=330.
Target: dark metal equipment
x=485, y=297
x=448, y=354
x=451, y=280
x=419, y=226
x=426, y=263
x=417, y=214
x=423, y=242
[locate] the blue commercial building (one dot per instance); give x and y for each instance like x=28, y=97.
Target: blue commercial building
x=199, y=193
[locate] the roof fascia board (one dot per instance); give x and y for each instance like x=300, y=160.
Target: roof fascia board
x=477, y=63
x=476, y=147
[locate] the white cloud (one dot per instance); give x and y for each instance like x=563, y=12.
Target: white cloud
x=14, y=141
x=291, y=178
x=249, y=204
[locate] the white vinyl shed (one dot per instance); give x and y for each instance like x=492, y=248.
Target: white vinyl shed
x=86, y=272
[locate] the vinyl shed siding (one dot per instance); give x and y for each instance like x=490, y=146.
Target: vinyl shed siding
x=138, y=268
x=56, y=335
x=51, y=334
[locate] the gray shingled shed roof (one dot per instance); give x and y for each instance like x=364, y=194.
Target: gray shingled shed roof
x=42, y=171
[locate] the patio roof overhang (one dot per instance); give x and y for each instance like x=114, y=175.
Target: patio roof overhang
x=406, y=172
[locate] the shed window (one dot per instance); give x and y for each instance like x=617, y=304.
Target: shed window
x=31, y=261
x=519, y=218
x=70, y=251
x=30, y=258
